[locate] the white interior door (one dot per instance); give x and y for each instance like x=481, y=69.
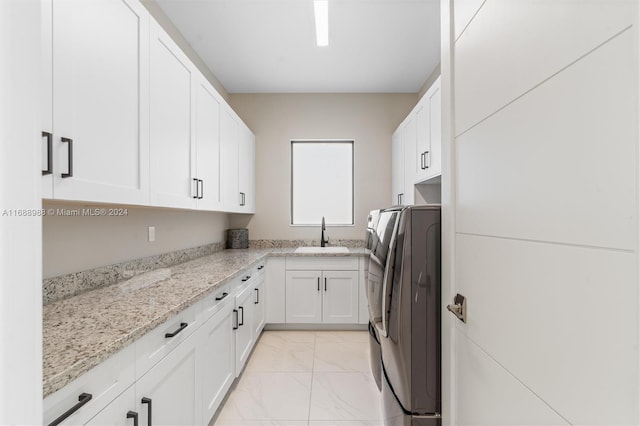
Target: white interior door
x=541, y=202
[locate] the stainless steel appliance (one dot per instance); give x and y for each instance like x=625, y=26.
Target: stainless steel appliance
x=380, y=228
x=409, y=323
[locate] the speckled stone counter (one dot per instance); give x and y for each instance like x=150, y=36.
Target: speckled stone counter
x=82, y=331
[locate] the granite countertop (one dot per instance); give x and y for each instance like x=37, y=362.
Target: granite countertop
x=82, y=331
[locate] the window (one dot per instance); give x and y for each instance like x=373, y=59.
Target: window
x=322, y=182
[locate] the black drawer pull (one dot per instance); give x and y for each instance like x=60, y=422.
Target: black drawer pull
x=69, y=157
x=147, y=401
x=242, y=320
x=235, y=327
x=133, y=415
x=257, y=296
x=247, y=278
x=49, y=168
x=260, y=267
x=219, y=298
x=325, y=284
x=318, y=283
x=83, y=398
x=197, y=181
x=183, y=325
x=201, y=189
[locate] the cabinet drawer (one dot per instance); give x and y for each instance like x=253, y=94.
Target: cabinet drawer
x=218, y=299
x=156, y=344
x=104, y=383
x=333, y=263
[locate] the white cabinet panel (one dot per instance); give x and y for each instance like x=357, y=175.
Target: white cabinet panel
x=100, y=101
x=490, y=395
x=245, y=337
x=553, y=316
x=397, y=167
x=528, y=41
x=259, y=305
x=117, y=412
x=275, y=290
x=46, y=96
x=207, y=134
x=559, y=164
x=304, y=297
x=409, y=135
x=217, y=359
x=174, y=388
x=463, y=13
x=340, y=297
x=427, y=160
x=246, y=169
x=229, y=149
x=172, y=123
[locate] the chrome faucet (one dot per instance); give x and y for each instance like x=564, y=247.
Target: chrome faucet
x=323, y=242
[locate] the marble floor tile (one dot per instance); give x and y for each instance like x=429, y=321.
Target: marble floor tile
x=346, y=423
x=288, y=336
x=344, y=396
x=341, y=356
x=262, y=423
x=272, y=355
x=268, y=396
x=342, y=336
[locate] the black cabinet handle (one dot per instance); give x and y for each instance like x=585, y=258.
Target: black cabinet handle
x=318, y=283
x=69, y=157
x=225, y=294
x=133, y=415
x=325, y=283
x=201, y=188
x=260, y=267
x=147, y=401
x=235, y=311
x=242, y=198
x=246, y=278
x=426, y=165
x=257, y=296
x=242, y=320
x=49, y=168
x=422, y=161
x=183, y=325
x=197, y=188
x=83, y=398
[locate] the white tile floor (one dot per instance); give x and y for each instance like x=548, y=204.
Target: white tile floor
x=310, y=378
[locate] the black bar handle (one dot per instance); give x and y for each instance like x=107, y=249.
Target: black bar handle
x=219, y=298
x=235, y=311
x=69, y=157
x=183, y=325
x=83, y=398
x=246, y=278
x=197, y=189
x=242, y=199
x=260, y=267
x=325, y=284
x=242, y=320
x=422, y=161
x=426, y=165
x=201, y=188
x=318, y=283
x=133, y=415
x=49, y=168
x=257, y=296
x=146, y=400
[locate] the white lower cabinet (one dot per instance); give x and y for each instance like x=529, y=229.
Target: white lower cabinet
x=170, y=391
x=258, y=306
x=275, y=290
x=217, y=359
x=244, y=325
x=120, y=412
x=316, y=296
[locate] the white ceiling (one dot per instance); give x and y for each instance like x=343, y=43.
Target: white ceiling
x=268, y=46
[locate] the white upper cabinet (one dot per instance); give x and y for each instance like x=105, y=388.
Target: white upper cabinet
x=246, y=167
x=397, y=168
x=207, y=178
x=428, y=157
x=229, y=141
x=171, y=115
x=409, y=135
x=96, y=101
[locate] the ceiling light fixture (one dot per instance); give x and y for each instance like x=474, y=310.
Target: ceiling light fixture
x=321, y=11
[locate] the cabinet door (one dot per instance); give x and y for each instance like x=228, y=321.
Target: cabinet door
x=115, y=413
x=244, y=327
x=217, y=360
x=207, y=145
x=423, y=149
x=100, y=101
x=171, y=123
x=409, y=133
x=173, y=386
x=246, y=166
x=275, y=290
x=259, y=306
x=434, y=159
x=397, y=167
x=46, y=94
x=340, y=297
x=229, y=141
x=304, y=297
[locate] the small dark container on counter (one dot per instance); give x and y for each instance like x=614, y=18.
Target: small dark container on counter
x=237, y=238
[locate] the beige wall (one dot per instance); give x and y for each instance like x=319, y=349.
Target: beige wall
x=76, y=243
x=368, y=119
